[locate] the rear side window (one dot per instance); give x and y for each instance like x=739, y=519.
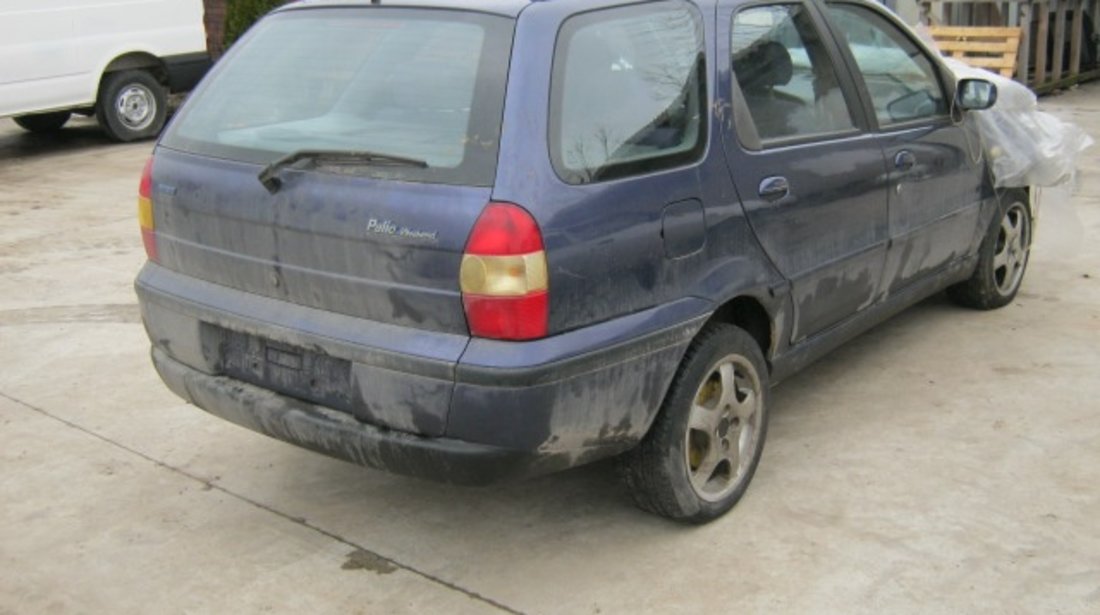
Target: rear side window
x=628, y=92
x=786, y=75
x=899, y=76
x=421, y=84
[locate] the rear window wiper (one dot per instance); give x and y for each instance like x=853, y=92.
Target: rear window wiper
x=269, y=176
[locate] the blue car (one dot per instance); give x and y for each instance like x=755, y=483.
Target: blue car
x=480, y=240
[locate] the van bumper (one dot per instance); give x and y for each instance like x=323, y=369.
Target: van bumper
x=186, y=70
x=508, y=409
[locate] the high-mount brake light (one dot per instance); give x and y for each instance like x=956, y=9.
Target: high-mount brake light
x=503, y=276
x=145, y=211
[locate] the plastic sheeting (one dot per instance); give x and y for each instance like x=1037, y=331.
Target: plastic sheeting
x=1025, y=146
x=1028, y=147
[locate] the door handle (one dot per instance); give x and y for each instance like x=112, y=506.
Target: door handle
x=774, y=188
x=904, y=160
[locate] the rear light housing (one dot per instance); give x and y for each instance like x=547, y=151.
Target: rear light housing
x=505, y=289
x=145, y=211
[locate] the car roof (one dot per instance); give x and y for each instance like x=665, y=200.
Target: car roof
x=510, y=8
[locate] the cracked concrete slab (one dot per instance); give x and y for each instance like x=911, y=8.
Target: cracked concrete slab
x=91, y=527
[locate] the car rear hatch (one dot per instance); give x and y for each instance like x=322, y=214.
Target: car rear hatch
x=388, y=120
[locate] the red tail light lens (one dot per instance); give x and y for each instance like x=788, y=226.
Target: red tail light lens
x=145, y=211
x=504, y=276
x=504, y=229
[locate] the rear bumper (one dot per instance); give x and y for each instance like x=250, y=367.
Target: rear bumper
x=431, y=405
x=339, y=435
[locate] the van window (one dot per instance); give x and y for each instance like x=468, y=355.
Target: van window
x=421, y=84
x=785, y=74
x=628, y=92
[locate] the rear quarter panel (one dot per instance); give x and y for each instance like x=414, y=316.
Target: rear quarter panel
x=605, y=248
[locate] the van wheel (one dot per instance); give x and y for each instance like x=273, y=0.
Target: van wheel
x=1002, y=257
x=703, y=448
x=43, y=122
x=132, y=105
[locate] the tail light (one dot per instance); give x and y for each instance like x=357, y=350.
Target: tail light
x=503, y=275
x=145, y=211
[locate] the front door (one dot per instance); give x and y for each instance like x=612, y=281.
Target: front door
x=810, y=174
x=936, y=181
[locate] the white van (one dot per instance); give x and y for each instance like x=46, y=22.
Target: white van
x=116, y=59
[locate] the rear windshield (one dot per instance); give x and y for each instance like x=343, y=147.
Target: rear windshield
x=421, y=84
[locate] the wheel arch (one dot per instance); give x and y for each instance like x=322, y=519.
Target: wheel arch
x=748, y=313
x=135, y=60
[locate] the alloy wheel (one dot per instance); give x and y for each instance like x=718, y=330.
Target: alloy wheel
x=723, y=428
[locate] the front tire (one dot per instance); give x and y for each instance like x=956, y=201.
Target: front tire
x=1002, y=257
x=703, y=448
x=132, y=105
x=43, y=122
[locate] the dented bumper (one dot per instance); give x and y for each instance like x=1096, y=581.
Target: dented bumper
x=339, y=435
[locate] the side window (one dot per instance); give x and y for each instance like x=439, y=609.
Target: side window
x=785, y=74
x=628, y=92
x=900, y=78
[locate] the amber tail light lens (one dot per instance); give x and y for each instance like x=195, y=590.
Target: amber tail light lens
x=145, y=211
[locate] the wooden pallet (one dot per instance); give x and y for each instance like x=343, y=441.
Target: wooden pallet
x=990, y=48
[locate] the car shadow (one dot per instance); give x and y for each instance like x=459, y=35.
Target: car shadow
x=378, y=508
x=79, y=133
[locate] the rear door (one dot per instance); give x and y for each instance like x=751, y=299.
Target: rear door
x=935, y=165
x=810, y=175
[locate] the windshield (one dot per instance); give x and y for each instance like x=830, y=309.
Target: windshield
x=420, y=84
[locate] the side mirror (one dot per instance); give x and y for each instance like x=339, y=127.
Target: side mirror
x=975, y=94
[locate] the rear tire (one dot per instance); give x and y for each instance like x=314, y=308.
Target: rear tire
x=132, y=105
x=1002, y=257
x=703, y=448
x=43, y=122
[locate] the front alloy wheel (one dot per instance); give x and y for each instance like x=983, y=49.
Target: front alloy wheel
x=1010, y=254
x=1002, y=257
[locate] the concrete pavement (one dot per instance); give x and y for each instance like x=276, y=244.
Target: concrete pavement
x=947, y=461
